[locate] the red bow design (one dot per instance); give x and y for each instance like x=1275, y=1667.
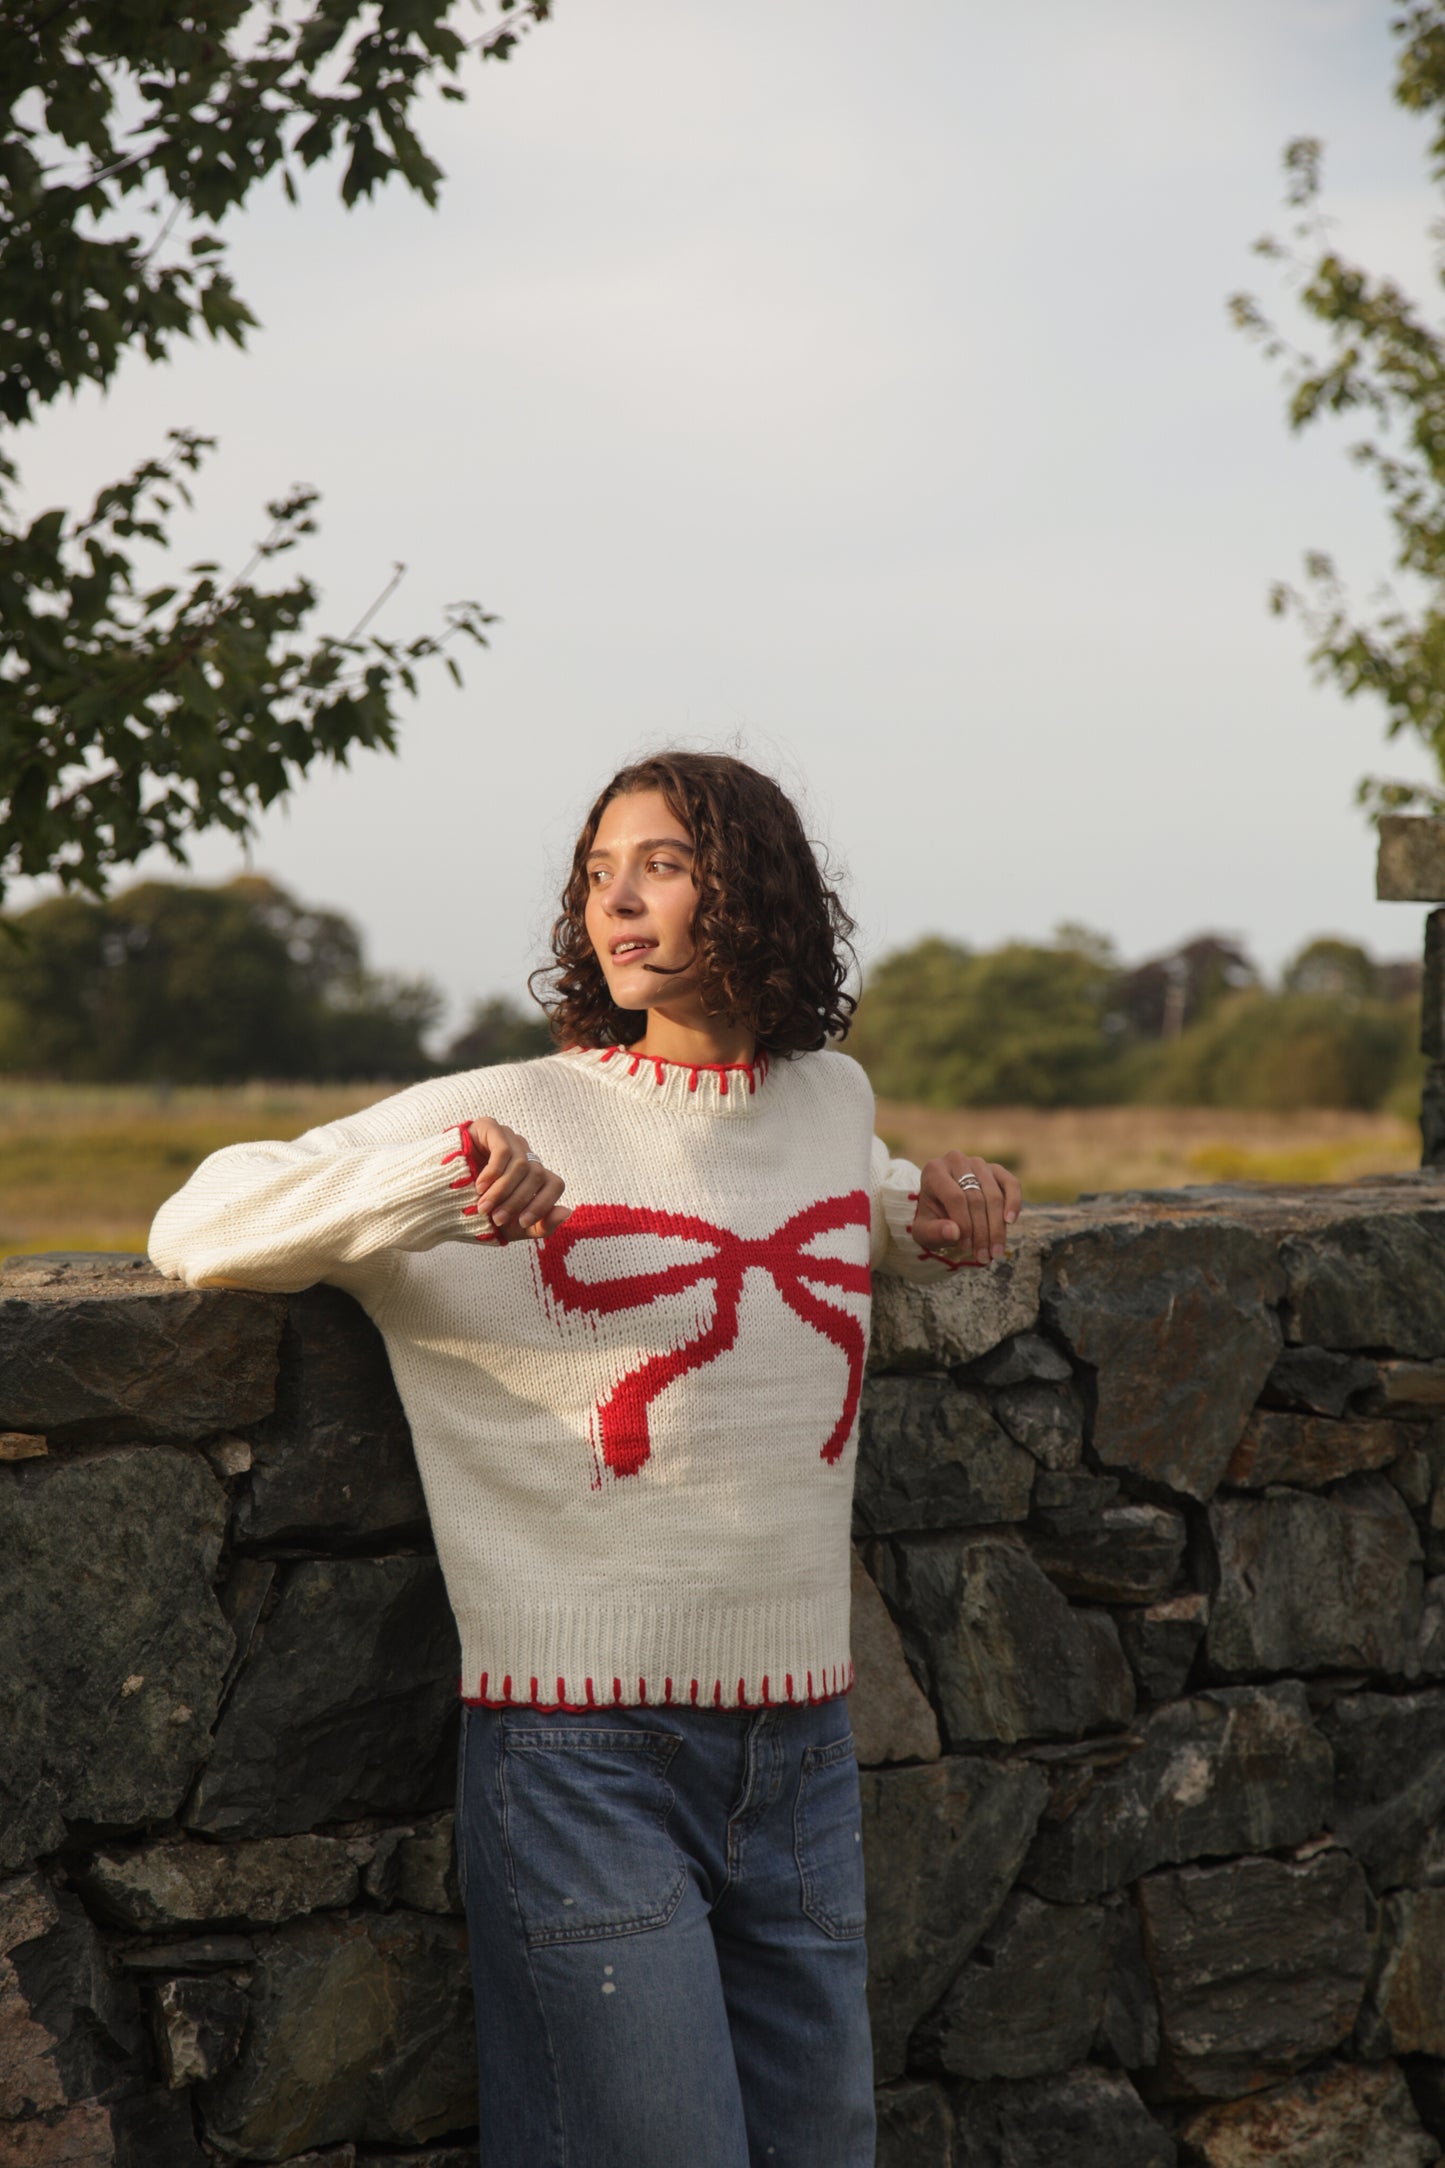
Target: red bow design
x=622, y=1416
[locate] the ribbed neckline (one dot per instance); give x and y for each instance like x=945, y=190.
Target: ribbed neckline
x=730, y=1088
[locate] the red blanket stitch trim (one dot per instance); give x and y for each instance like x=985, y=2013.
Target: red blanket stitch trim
x=838, y=1680
x=467, y=1150
x=754, y=1070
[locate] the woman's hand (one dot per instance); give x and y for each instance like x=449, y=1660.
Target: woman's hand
x=968, y=1219
x=514, y=1189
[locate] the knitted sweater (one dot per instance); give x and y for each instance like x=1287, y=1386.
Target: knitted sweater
x=636, y=1438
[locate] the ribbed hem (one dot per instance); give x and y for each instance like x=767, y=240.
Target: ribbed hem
x=602, y=1656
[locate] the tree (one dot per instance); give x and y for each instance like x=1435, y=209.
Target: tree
x=188, y=985
x=1341, y=970
x=1283, y=1051
x=134, y=715
x=1023, y=1024
x=1163, y=996
x=498, y=1030
x=1384, y=361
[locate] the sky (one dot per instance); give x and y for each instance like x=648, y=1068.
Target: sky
x=850, y=390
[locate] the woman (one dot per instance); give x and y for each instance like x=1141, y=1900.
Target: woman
x=635, y=1416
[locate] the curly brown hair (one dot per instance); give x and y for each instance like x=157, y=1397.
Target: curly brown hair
x=772, y=935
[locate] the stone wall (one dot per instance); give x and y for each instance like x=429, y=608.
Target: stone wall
x=1150, y=1633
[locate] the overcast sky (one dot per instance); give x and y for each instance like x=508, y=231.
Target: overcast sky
x=852, y=389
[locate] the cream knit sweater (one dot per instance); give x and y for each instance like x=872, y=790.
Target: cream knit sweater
x=637, y=1438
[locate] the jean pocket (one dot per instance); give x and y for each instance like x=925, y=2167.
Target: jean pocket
x=828, y=1839
x=585, y=1819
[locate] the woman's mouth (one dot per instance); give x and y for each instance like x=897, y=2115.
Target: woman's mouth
x=627, y=952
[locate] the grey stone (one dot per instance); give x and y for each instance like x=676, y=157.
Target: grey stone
x=1129, y=2028
x=1005, y=1655
x=417, y=1868
x=29, y=2078
x=1435, y=1516
x=345, y=1707
x=1259, y=1967
x=432, y=2156
x=1428, y=1658
x=1031, y=1997
x=1404, y=2012
x=1376, y=1281
x=942, y=1844
x=69, y=2031
x=1432, y=1113
x=1317, y=1380
x=181, y=1883
x=1047, y=1420
x=80, y=2137
x=1082, y=2118
x=243, y=1597
x=198, y=2027
x=1425, y=2077
x=112, y=1648
x=1432, y=994
x=1175, y=1321
x=1161, y=1642
x=1406, y=1388
x=931, y=1456
x=155, y=2130
x=335, y=1465
x=1101, y=1547
x=1341, y=2116
x=1410, y=861
x=890, y=1715
x=1413, y=1477
x=1028, y=1355
x=1310, y=1581
x=121, y=1355
x=194, y=1953
x=1237, y=1769
x=360, y=2028
x=967, y=1315
x=915, y=2126
x=1310, y=1449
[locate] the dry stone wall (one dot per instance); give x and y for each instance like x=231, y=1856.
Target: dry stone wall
x=1149, y=1624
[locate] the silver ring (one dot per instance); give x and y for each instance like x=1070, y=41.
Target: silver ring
x=968, y=1181
x=536, y=1162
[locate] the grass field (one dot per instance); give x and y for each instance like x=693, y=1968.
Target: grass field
x=84, y=1168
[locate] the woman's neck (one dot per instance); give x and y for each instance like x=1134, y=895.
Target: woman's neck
x=702, y=1043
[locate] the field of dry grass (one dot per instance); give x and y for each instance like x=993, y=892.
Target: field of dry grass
x=84, y=1168
x=1060, y=1152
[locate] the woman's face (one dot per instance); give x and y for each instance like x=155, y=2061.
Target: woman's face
x=641, y=900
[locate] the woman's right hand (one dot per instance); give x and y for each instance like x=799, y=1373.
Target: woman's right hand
x=514, y=1190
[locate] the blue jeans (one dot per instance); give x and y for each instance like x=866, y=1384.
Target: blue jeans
x=665, y=1918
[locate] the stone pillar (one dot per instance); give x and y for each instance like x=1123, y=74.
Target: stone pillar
x=1411, y=869
x=1432, y=1043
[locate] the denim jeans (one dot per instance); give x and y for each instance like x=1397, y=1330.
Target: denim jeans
x=665, y=1918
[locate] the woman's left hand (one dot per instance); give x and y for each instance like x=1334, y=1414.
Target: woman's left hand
x=972, y=1220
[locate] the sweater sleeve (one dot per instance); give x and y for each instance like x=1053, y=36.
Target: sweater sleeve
x=895, y=1201
x=335, y=1204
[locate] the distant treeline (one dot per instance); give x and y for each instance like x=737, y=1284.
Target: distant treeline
x=176, y=983
x=1067, y=1024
